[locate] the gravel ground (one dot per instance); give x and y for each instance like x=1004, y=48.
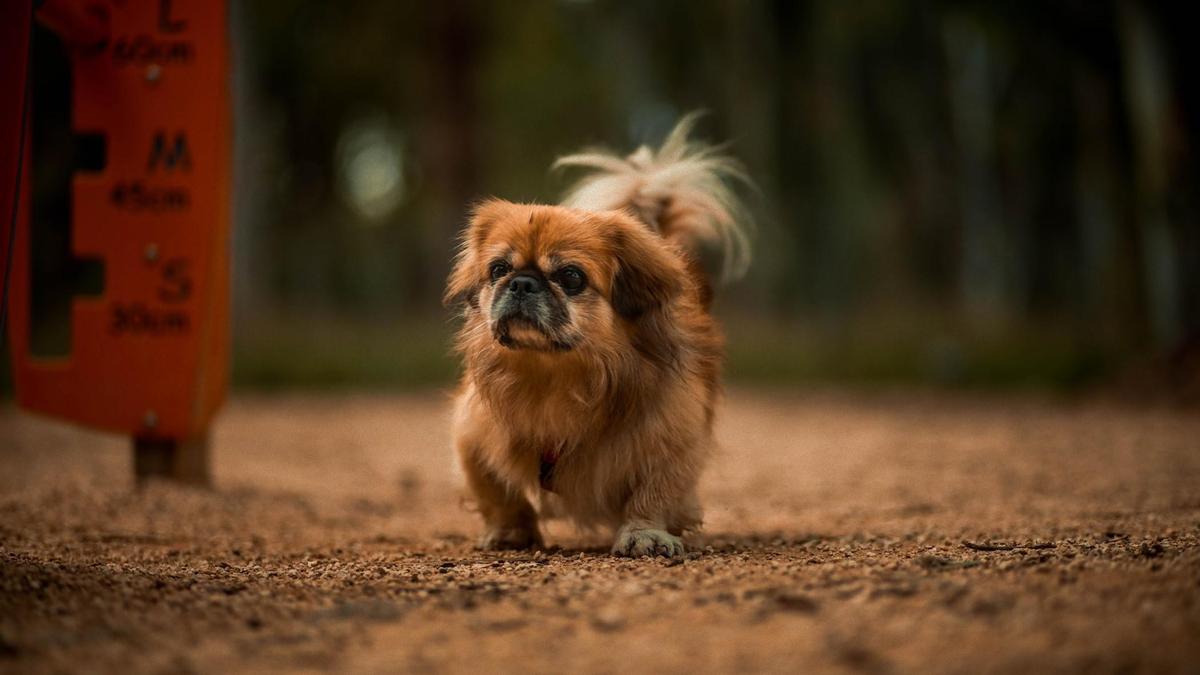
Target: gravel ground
x=889, y=532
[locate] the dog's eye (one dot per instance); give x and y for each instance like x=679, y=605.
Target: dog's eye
x=498, y=269
x=571, y=279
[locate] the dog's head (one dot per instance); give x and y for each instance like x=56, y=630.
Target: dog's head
x=556, y=280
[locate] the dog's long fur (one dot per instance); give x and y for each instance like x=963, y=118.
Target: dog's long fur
x=612, y=387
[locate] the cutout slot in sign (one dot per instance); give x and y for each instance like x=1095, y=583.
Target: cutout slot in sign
x=57, y=276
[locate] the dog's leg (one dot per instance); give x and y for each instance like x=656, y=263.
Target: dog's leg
x=654, y=511
x=509, y=519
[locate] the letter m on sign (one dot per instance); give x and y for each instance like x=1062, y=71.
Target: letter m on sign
x=169, y=155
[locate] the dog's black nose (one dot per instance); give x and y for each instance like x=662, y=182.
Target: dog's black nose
x=524, y=284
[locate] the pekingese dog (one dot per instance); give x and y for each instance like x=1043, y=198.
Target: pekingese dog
x=592, y=361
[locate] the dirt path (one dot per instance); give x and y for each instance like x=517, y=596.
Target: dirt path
x=886, y=533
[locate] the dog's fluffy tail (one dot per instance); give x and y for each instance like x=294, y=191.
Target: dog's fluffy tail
x=683, y=190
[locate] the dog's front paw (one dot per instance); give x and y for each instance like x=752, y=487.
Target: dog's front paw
x=510, y=538
x=636, y=542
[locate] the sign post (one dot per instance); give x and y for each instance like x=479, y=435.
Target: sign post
x=150, y=354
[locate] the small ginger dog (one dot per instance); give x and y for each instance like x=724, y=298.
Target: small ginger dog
x=592, y=362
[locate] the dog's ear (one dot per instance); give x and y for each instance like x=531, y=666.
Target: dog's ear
x=466, y=277
x=649, y=273
x=463, y=284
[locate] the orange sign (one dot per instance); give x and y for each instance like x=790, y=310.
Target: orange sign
x=150, y=355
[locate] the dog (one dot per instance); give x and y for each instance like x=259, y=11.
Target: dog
x=591, y=358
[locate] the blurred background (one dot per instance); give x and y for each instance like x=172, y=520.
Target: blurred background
x=950, y=193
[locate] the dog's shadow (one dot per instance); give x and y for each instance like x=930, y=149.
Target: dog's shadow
x=706, y=543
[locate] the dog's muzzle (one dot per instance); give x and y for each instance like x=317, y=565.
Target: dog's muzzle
x=526, y=301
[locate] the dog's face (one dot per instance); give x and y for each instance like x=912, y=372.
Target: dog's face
x=555, y=280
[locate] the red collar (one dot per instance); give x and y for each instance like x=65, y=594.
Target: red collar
x=546, y=470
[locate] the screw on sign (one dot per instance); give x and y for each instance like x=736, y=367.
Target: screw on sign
x=150, y=354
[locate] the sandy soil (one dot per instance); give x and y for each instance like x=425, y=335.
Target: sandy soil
x=881, y=533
